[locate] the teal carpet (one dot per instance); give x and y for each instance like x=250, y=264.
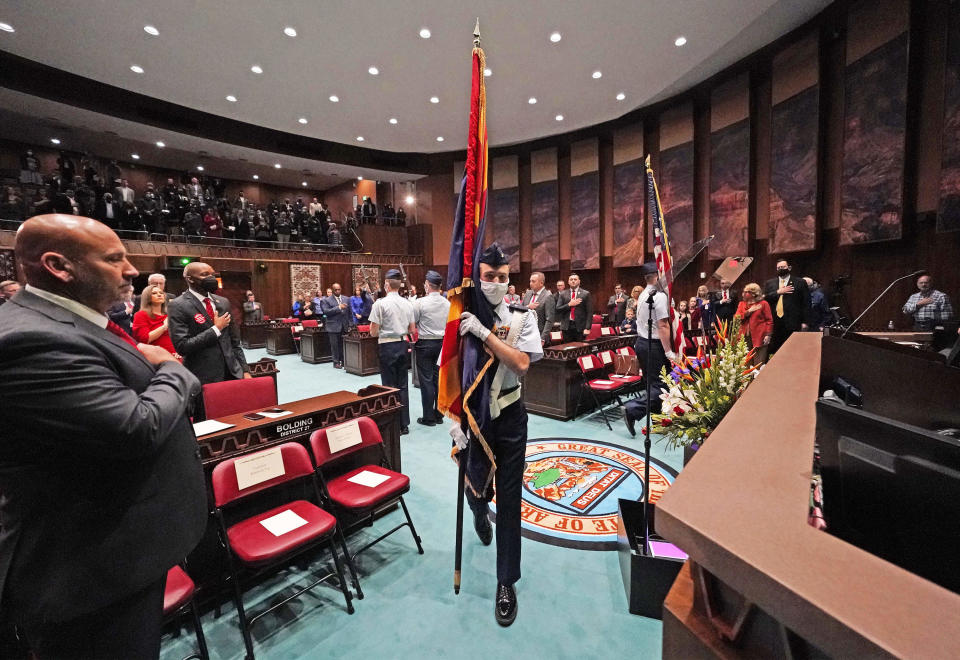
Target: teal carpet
x=571, y=602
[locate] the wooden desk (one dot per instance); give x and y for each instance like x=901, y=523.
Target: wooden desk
x=280, y=340
x=925, y=339
x=254, y=335
x=552, y=384
x=739, y=509
x=361, y=357
x=315, y=346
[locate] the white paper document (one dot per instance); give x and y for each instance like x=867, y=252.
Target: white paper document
x=209, y=426
x=368, y=478
x=273, y=415
x=283, y=522
x=603, y=382
x=344, y=435
x=259, y=467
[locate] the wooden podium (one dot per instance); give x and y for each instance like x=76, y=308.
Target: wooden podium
x=254, y=335
x=315, y=346
x=761, y=581
x=280, y=340
x=361, y=357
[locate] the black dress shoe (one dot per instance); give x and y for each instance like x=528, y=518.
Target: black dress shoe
x=338, y=365
x=426, y=422
x=505, y=604
x=481, y=523
x=439, y=419
x=404, y=430
x=630, y=425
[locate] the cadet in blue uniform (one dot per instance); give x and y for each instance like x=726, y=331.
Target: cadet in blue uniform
x=515, y=343
x=430, y=313
x=390, y=319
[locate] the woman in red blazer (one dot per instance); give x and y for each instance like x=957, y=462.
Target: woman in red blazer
x=757, y=320
x=150, y=323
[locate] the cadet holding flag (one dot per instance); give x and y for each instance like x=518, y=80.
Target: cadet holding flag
x=390, y=319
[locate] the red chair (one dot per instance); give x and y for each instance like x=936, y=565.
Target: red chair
x=177, y=597
x=607, y=331
x=249, y=543
x=595, y=381
x=594, y=332
x=597, y=318
x=359, y=500
x=311, y=323
x=609, y=360
x=236, y=396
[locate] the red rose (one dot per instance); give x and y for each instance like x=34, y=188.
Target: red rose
x=666, y=421
x=643, y=431
x=677, y=410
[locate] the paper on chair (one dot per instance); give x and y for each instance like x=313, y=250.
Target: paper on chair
x=273, y=415
x=257, y=468
x=368, y=478
x=344, y=435
x=283, y=522
x=208, y=426
x=603, y=382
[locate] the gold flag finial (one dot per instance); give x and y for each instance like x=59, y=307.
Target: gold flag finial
x=476, y=34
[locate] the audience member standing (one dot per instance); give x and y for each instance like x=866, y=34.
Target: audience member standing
x=252, y=310
x=102, y=485
x=202, y=331
x=724, y=301
x=820, y=314
x=617, y=306
x=757, y=321
x=575, y=310
x=8, y=288
x=539, y=299
x=511, y=297
x=150, y=324
x=789, y=300
x=928, y=306
x=336, y=310
x=108, y=212
x=390, y=319
x=430, y=314
x=121, y=312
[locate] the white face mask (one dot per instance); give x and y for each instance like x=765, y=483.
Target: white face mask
x=494, y=291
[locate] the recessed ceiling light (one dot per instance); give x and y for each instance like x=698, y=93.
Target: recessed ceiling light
x=136, y=68
x=679, y=41
x=424, y=33
x=559, y=117
x=256, y=177
x=439, y=138
x=6, y=27
x=597, y=74
x=392, y=120
x=373, y=71
x=231, y=98
x=487, y=72
x=531, y=100
x=359, y=138
x=199, y=168
x=256, y=68
x=290, y=32
x=135, y=156
x=161, y=144
x=303, y=183
x=277, y=165
x=55, y=140
x=410, y=199
x=334, y=99
x=555, y=37
x=302, y=120
x=621, y=96
x=149, y=29
x=434, y=99
x=359, y=178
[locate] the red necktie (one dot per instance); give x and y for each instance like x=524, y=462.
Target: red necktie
x=120, y=332
x=533, y=299
x=209, y=305
x=573, y=310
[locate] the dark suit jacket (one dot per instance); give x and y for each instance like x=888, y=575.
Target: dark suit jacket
x=252, y=311
x=583, y=313
x=100, y=213
x=209, y=357
x=724, y=311
x=102, y=485
x=796, y=306
x=118, y=314
x=336, y=319
x=546, y=310
x=617, y=310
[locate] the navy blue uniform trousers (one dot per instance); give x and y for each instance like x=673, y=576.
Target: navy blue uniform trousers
x=428, y=351
x=393, y=373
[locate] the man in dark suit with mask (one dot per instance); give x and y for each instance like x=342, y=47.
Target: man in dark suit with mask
x=789, y=300
x=574, y=310
x=202, y=331
x=102, y=485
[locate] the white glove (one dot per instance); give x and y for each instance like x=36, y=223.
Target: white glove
x=470, y=323
x=459, y=439
x=671, y=356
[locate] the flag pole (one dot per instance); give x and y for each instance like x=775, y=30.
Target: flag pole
x=462, y=459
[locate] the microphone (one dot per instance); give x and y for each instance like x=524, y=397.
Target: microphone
x=890, y=286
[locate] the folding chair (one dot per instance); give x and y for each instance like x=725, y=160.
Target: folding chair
x=345, y=491
x=236, y=396
x=278, y=534
x=608, y=358
x=595, y=381
x=177, y=597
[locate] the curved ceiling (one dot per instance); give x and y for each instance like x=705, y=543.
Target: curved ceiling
x=204, y=52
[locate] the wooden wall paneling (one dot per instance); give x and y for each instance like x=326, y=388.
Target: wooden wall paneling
x=830, y=162
x=563, y=195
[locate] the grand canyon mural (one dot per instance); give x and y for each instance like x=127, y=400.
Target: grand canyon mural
x=793, y=173
x=675, y=183
x=948, y=218
x=629, y=185
x=545, y=221
x=729, y=190
x=503, y=213
x=585, y=220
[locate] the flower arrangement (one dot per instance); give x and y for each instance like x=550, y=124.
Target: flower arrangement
x=701, y=390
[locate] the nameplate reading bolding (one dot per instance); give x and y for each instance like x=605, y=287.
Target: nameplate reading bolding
x=344, y=435
x=259, y=467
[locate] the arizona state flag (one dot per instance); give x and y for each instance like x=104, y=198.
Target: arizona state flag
x=465, y=364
